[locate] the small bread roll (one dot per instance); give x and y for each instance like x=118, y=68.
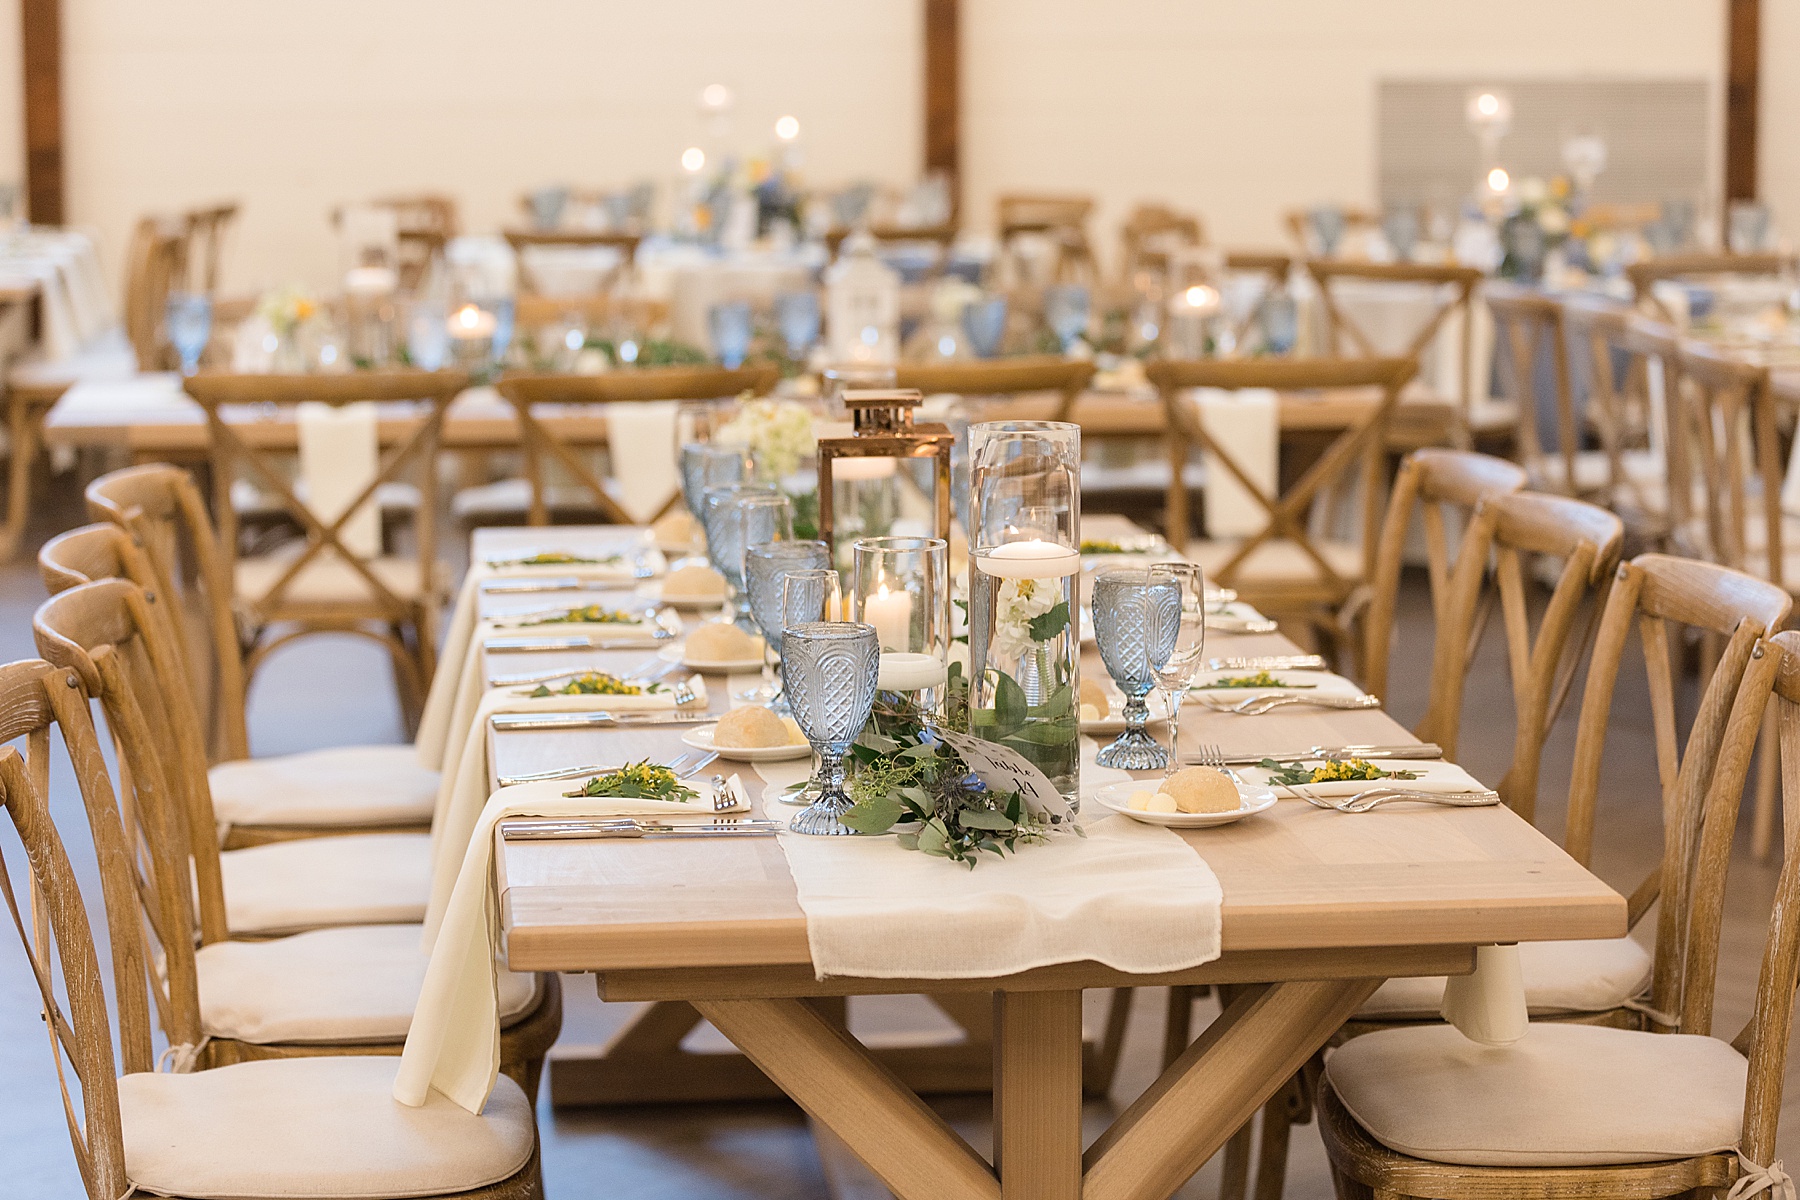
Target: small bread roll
x=677, y=529
x=1161, y=802
x=750, y=727
x=696, y=580
x=1089, y=713
x=1092, y=693
x=1201, y=790
x=721, y=641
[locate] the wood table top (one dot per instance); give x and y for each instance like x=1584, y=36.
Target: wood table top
x=1295, y=879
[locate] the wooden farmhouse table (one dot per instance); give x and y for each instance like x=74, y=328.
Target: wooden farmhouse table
x=1319, y=908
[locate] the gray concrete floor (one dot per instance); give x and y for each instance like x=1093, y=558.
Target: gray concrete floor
x=332, y=690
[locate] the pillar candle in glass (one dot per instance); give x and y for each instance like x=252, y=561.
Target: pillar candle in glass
x=900, y=586
x=1024, y=573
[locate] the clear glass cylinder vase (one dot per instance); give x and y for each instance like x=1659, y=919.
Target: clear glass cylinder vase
x=1024, y=586
x=901, y=587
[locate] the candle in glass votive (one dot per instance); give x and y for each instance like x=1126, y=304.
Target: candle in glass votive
x=891, y=615
x=905, y=672
x=857, y=469
x=470, y=323
x=1033, y=558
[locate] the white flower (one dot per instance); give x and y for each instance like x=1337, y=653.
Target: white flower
x=1017, y=602
x=778, y=433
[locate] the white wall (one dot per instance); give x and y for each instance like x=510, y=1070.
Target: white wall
x=1778, y=139
x=295, y=108
x=1239, y=110
x=1244, y=110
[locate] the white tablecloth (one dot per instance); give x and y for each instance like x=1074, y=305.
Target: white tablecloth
x=65, y=266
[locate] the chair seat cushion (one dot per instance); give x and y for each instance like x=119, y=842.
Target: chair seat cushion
x=1593, y=471
x=313, y=1127
x=1564, y=1095
x=1277, y=562
x=328, y=579
x=339, y=785
x=359, y=983
x=1560, y=977
x=311, y=883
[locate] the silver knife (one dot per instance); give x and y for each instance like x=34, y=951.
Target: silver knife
x=558, y=583
x=1269, y=662
x=523, y=645
x=526, y=830
x=1423, y=750
x=1220, y=624
x=598, y=719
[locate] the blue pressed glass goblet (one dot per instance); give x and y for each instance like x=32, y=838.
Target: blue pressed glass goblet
x=729, y=325
x=188, y=319
x=767, y=568
x=1066, y=312
x=830, y=668
x=736, y=518
x=1135, y=624
x=985, y=323
x=705, y=466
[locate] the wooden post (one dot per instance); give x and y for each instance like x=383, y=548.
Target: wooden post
x=943, y=103
x=41, y=49
x=1743, y=50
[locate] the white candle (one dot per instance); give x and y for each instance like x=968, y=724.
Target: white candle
x=370, y=281
x=891, y=615
x=469, y=323
x=846, y=469
x=902, y=672
x=1033, y=558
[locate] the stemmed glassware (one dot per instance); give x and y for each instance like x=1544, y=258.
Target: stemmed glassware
x=830, y=668
x=1183, y=628
x=188, y=319
x=984, y=321
x=768, y=568
x=797, y=313
x=705, y=466
x=1136, y=625
x=736, y=518
x=729, y=324
x=1066, y=312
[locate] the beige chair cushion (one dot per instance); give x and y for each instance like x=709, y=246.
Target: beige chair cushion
x=1560, y=977
x=313, y=1127
x=359, y=879
x=1593, y=472
x=1565, y=1095
x=355, y=984
x=327, y=579
x=340, y=785
x=1277, y=562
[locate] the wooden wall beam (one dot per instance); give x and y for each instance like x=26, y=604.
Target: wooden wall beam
x=943, y=99
x=1743, y=52
x=41, y=40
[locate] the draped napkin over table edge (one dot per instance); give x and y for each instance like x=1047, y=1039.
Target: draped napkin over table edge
x=463, y=786
x=440, y=702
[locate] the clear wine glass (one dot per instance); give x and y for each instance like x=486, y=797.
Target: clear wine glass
x=188, y=319
x=1128, y=609
x=1186, y=638
x=728, y=323
x=1066, y=312
x=830, y=668
x=767, y=568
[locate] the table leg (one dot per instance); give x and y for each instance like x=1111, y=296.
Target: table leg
x=1037, y=1094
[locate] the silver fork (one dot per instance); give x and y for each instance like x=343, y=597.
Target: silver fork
x=722, y=798
x=1374, y=797
x=683, y=765
x=1256, y=706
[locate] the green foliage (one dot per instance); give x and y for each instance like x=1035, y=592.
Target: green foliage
x=637, y=781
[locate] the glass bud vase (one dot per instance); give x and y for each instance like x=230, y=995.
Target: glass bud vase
x=901, y=587
x=1024, y=588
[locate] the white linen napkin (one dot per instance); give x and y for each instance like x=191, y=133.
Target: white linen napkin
x=454, y=1042
x=459, y=640
x=463, y=785
x=1246, y=424
x=1132, y=896
x=339, y=457
x=1434, y=775
x=640, y=440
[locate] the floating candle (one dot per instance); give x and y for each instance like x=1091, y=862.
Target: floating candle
x=470, y=322
x=904, y=672
x=1032, y=558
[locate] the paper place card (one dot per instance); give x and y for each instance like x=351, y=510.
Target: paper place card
x=1006, y=770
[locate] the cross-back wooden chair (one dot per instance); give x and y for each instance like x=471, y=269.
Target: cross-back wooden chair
x=639, y=314
x=390, y=598
x=426, y=223
x=1298, y=222
x=203, y=244
x=1274, y=267
x=523, y=241
x=1622, y=411
x=315, y=1127
x=1151, y=232
x=153, y=262
x=1003, y=377
x=1454, y=298
x=1063, y=219
x=1644, y=276
x=1285, y=568
x=542, y=446
x=1578, y=1113
x=314, y=793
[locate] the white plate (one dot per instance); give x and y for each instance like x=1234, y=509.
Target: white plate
x=1117, y=797
x=1114, y=721
x=701, y=738
x=711, y=666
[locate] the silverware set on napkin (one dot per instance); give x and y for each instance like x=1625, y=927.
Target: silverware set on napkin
x=531, y=829
x=598, y=719
x=685, y=766
x=1367, y=798
x=1210, y=756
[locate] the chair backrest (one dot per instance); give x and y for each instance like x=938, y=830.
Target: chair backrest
x=1645, y=275
x=203, y=245
x=1002, y=377
x=1357, y=442
x=152, y=267
x=160, y=507
x=1063, y=219
x=1299, y=220
x=1455, y=287
x=234, y=454
x=1274, y=267
x=1653, y=384
x=1624, y=412
x=1528, y=325
x=600, y=311
x=1512, y=528
x=1151, y=232
x=540, y=442
x=1663, y=595
x=56, y=933
x=426, y=223
x=1734, y=442
x=105, y=633
x=523, y=241
x=1444, y=486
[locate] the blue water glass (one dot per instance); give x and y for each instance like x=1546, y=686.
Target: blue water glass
x=985, y=323
x=736, y=518
x=728, y=323
x=1400, y=226
x=767, y=569
x=1280, y=322
x=1136, y=620
x=547, y=204
x=188, y=319
x=704, y=466
x=1327, y=223
x=798, y=315
x=502, y=309
x=830, y=668
x=428, y=336
x=1066, y=312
